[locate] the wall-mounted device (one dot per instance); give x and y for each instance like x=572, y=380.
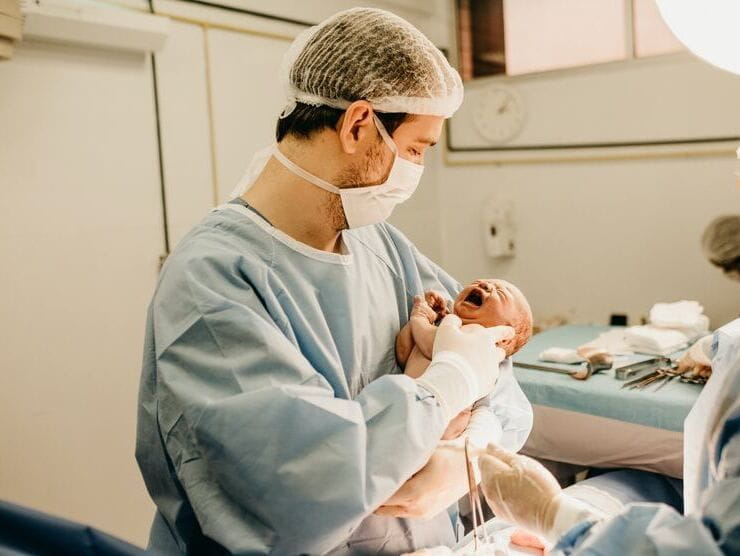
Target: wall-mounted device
x=499, y=233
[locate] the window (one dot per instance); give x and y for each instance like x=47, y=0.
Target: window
x=651, y=34
x=481, y=37
x=517, y=37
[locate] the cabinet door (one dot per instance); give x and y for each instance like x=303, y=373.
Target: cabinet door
x=80, y=237
x=184, y=119
x=247, y=99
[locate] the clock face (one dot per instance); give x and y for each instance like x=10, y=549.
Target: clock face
x=499, y=114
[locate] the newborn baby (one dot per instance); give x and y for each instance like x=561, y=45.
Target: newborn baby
x=486, y=302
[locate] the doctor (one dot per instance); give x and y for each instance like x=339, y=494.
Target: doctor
x=521, y=491
x=273, y=417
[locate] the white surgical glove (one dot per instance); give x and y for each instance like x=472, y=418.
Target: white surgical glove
x=465, y=363
x=698, y=359
x=522, y=492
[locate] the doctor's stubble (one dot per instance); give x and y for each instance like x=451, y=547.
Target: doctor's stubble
x=364, y=173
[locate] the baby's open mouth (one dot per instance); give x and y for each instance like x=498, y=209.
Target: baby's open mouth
x=475, y=297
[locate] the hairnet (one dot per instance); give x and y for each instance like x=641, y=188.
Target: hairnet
x=721, y=239
x=374, y=55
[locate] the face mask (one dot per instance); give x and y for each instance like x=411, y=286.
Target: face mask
x=362, y=206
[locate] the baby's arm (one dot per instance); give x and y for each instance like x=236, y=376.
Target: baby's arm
x=423, y=332
x=404, y=345
x=419, y=331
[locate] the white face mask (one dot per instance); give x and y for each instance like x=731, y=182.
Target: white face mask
x=362, y=206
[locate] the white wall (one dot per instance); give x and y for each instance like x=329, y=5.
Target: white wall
x=606, y=230
x=596, y=238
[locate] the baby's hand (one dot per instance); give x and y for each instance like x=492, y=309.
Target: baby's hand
x=422, y=310
x=437, y=302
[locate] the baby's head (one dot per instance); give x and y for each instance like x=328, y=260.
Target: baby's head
x=493, y=302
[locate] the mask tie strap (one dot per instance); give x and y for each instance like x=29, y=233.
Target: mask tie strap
x=301, y=173
x=384, y=134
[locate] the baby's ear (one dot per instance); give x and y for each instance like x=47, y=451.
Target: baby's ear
x=507, y=345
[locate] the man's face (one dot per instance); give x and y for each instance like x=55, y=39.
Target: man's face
x=412, y=138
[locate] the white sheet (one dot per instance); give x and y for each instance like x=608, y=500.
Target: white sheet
x=591, y=441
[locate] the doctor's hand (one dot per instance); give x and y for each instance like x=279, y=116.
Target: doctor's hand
x=519, y=489
x=438, y=485
x=522, y=492
x=465, y=362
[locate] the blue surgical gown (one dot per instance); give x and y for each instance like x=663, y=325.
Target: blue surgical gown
x=714, y=527
x=273, y=417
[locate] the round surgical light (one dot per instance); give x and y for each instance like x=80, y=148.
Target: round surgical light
x=708, y=28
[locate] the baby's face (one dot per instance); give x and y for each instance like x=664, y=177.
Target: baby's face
x=493, y=303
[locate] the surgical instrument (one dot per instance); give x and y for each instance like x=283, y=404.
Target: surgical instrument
x=474, y=498
x=632, y=370
x=664, y=374
x=597, y=359
x=585, y=371
x=543, y=368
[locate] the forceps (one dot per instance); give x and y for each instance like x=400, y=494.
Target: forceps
x=665, y=374
x=474, y=498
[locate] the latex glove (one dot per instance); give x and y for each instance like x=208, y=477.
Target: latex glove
x=522, y=492
x=465, y=361
x=698, y=359
x=438, y=485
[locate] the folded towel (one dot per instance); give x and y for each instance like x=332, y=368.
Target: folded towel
x=654, y=340
x=681, y=314
x=612, y=341
x=685, y=316
x=560, y=355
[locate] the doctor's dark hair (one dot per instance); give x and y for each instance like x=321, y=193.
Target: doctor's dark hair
x=305, y=119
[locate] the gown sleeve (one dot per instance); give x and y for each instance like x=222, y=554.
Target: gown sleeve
x=254, y=433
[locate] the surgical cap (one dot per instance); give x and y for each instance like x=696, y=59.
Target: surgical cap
x=373, y=55
x=721, y=240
